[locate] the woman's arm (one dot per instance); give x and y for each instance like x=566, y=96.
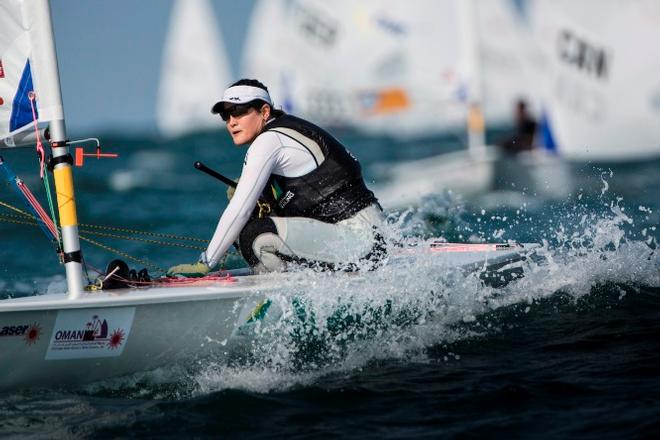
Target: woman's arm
x=260, y=160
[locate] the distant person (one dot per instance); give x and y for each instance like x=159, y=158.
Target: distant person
x=322, y=213
x=525, y=129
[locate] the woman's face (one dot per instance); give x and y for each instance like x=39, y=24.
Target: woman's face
x=246, y=127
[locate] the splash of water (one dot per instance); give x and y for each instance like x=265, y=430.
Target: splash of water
x=336, y=323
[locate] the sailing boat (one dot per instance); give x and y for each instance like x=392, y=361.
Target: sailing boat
x=370, y=65
x=491, y=56
x=84, y=335
x=602, y=96
x=195, y=69
x=385, y=67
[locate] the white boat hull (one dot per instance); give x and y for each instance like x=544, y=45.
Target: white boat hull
x=469, y=175
x=151, y=328
x=49, y=340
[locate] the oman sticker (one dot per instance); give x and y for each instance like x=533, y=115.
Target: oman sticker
x=83, y=334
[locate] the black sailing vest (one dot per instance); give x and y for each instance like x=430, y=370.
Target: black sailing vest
x=332, y=192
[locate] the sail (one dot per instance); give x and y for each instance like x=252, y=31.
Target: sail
x=27, y=68
x=506, y=55
x=388, y=66
x=376, y=65
x=263, y=54
x=195, y=70
x=602, y=100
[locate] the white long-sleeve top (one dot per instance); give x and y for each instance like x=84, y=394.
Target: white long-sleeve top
x=270, y=153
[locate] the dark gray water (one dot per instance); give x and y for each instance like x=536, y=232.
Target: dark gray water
x=570, y=350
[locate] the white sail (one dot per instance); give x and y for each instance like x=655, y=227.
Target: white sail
x=388, y=66
x=262, y=57
x=27, y=65
x=377, y=65
x=195, y=70
x=506, y=52
x=28, y=53
x=602, y=70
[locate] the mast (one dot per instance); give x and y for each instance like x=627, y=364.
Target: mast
x=47, y=76
x=471, y=69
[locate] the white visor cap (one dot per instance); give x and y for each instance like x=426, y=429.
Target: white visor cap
x=241, y=95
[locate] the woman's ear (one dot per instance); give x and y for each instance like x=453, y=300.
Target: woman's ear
x=265, y=112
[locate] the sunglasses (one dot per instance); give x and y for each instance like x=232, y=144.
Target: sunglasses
x=236, y=111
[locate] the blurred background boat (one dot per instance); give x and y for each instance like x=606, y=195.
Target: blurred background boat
x=446, y=74
x=568, y=351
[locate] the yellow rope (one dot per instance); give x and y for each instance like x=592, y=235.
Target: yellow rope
x=13, y=208
x=25, y=215
x=28, y=219
x=15, y=219
x=152, y=234
x=123, y=254
x=144, y=240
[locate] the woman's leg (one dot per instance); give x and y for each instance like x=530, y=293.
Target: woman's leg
x=268, y=244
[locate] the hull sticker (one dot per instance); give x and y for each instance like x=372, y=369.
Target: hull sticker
x=90, y=333
x=30, y=332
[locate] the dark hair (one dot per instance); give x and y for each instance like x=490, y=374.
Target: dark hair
x=257, y=104
x=249, y=82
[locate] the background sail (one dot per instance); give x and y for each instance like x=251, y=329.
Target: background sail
x=506, y=55
x=384, y=66
x=601, y=71
x=350, y=63
x=26, y=65
x=195, y=70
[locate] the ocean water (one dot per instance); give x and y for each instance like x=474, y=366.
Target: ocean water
x=571, y=350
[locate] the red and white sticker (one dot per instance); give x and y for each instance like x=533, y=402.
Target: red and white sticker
x=2, y=70
x=90, y=333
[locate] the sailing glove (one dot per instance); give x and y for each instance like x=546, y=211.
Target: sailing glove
x=231, y=190
x=195, y=270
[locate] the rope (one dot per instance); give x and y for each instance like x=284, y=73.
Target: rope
x=88, y=229
x=28, y=220
x=43, y=175
x=13, y=208
x=40, y=148
x=163, y=282
x=152, y=234
x=32, y=200
x=144, y=240
x=123, y=254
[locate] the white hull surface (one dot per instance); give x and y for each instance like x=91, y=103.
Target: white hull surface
x=469, y=175
x=144, y=329
x=51, y=341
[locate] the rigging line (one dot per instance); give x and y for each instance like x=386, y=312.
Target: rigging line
x=144, y=240
x=38, y=209
x=21, y=222
x=114, y=228
x=30, y=201
x=153, y=234
x=29, y=220
x=49, y=197
x=44, y=176
x=13, y=208
x=123, y=254
x=40, y=148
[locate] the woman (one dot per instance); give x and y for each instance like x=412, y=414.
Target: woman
x=322, y=213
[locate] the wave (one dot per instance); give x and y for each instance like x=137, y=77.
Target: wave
x=333, y=324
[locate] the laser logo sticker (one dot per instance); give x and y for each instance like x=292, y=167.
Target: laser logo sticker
x=29, y=332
